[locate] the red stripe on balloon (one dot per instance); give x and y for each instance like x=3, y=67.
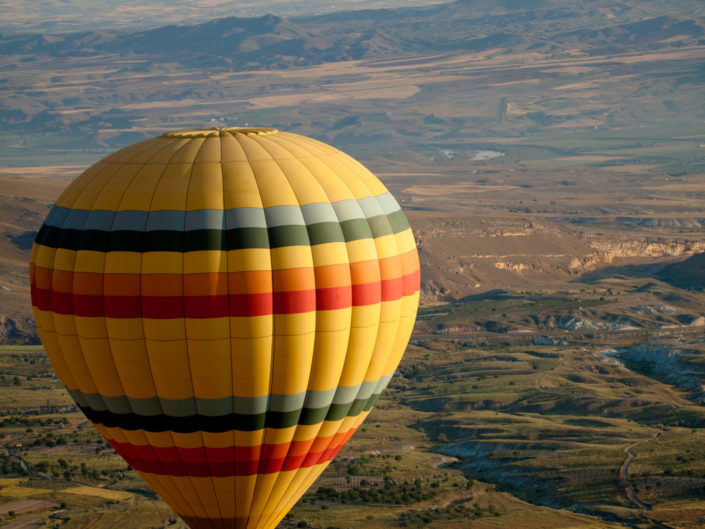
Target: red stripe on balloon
x=229, y=461
x=216, y=306
x=366, y=294
x=411, y=283
x=391, y=289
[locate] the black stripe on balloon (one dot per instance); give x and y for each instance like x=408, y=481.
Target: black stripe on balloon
x=213, y=239
x=232, y=421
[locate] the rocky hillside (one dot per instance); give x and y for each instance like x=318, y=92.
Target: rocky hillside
x=689, y=273
x=24, y=202
x=465, y=255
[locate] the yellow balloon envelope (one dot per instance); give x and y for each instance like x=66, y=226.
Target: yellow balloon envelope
x=226, y=306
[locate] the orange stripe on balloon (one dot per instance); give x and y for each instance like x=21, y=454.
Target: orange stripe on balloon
x=244, y=282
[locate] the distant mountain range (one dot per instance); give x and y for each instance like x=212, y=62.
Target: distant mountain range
x=545, y=26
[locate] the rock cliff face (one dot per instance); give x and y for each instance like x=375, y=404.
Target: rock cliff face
x=22, y=332
x=463, y=256
x=605, y=252
x=577, y=321
x=675, y=366
x=481, y=456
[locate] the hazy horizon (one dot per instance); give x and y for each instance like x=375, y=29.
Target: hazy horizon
x=78, y=15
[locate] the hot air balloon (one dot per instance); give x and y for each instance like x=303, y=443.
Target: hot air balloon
x=225, y=306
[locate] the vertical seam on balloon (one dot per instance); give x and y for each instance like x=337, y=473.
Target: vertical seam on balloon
x=362, y=183
x=342, y=181
x=288, y=491
x=134, y=178
x=78, y=338
x=223, y=236
x=227, y=286
x=271, y=361
x=268, y=519
x=105, y=261
x=238, y=137
x=322, y=159
x=33, y=256
x=260, y=143
x=108, y=165
x=300, y=492
x=149, y=365
x=186, y=341
x=347, y=161
x=284, y=493
x=223, y=250
x=51, y=282
x=73, y=316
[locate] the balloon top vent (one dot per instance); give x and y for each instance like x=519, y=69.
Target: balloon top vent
x=217, y=131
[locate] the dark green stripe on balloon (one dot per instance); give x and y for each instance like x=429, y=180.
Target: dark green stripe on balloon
x=233, y=239
x=232, y=421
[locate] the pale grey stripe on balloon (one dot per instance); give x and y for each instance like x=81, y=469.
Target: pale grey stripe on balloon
x=348, y=210
x=284, y=403
x=177, y=408
x=369, y=388
x=80, y=399
x=130, y=220
x=137, y=220
x=251, y=405
x=284, y=216
x=214, y=407
x=371, y=207
x=319, y=399
x=75, y=219
x=148, y=407
x=319, y=212
x=100, y=402
x=118, y=404
x=388, y=203
x=245, y=218
x=56, y=216
x=383, y=383
x=227, y=405
x=165, y=220
x=205, y=219
x=99, y=219
x=346, y=394
x=96, y=402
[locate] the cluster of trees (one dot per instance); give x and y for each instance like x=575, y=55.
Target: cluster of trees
x=304, y=524
x=413, y=371
x=51, y=439
x=454, y=511
x=391, y=493
x=68, y=470
x=360, y=466
x=10, y=466
x=23, y=420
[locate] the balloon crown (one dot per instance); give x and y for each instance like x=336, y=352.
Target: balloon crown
x=220, y=131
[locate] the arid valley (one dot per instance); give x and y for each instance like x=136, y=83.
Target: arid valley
x=550, y=158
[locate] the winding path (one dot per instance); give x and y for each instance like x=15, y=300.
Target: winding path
x=624, y=473
x=629, y=490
